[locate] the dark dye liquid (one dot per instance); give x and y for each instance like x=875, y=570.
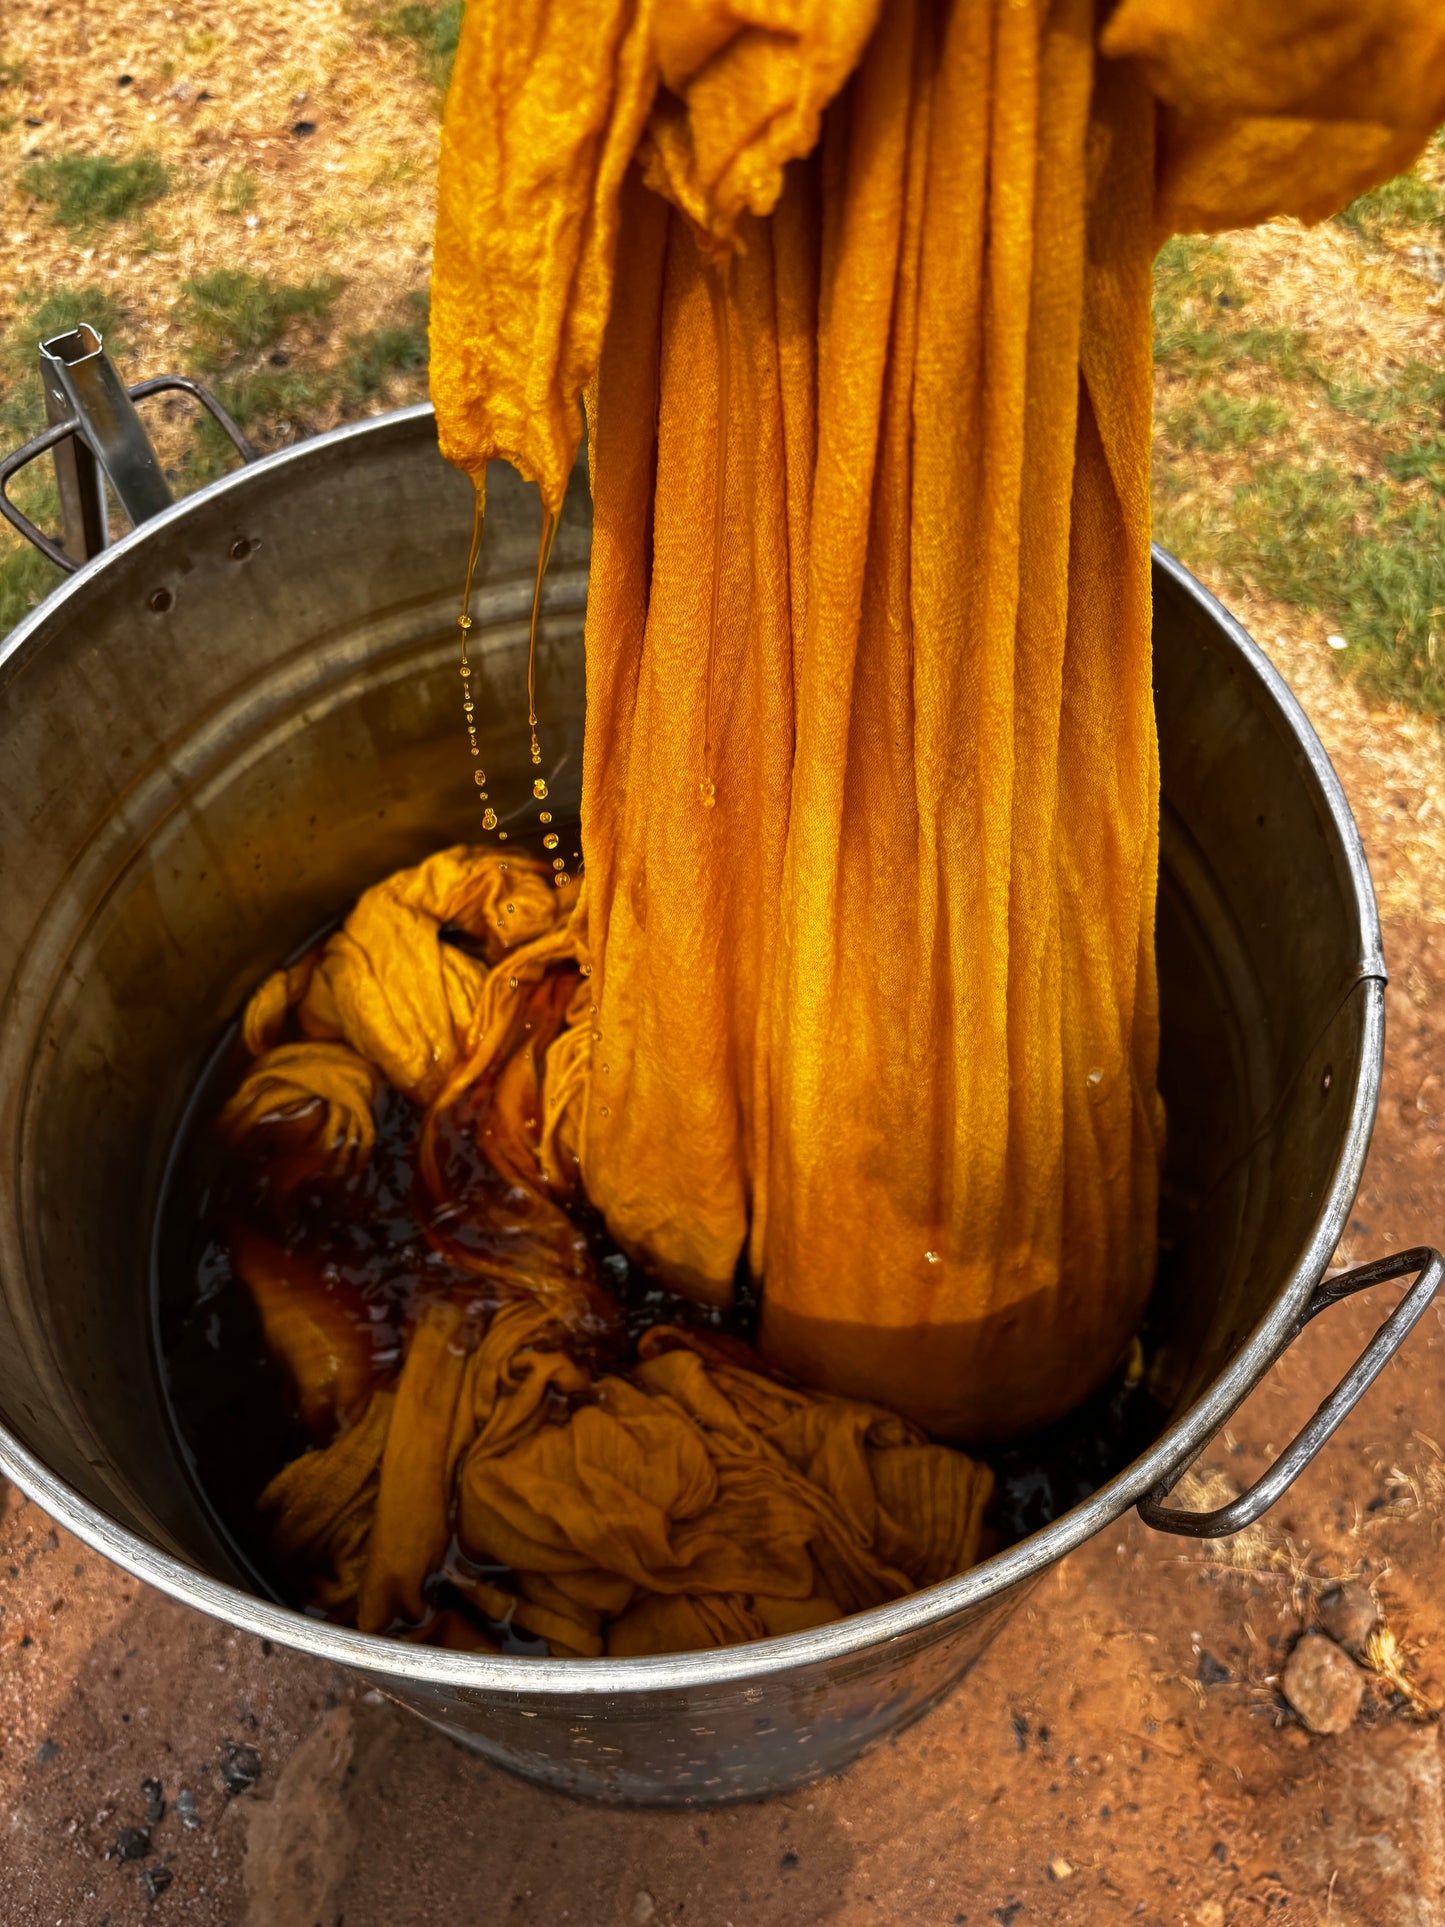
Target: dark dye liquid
x=236, y=1416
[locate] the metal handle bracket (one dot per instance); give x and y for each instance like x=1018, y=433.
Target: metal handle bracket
x=105, y=425
x=1248, y=1507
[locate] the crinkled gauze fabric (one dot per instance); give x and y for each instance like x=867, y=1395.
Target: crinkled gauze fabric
x=883, y=1019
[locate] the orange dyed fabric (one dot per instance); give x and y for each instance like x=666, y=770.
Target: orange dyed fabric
x=679, y=1499
x=884, y=1019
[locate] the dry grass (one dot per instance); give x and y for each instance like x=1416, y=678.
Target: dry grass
x=297, y=148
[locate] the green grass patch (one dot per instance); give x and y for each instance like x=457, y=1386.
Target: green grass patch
x=1406, y=201
x=1354, y=552
x=272, y=404
x=1213, y=420
x=42, y=315
x=86, y=191
x=25, y=576
x=1422, y=459
x=233, y=313
x=433, y=27
x=236, y=191
x=374, y=359
x=1415, y=396
x=1199, y=318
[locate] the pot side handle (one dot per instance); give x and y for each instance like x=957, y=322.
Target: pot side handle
x=51, y=438
x=1244, y=1510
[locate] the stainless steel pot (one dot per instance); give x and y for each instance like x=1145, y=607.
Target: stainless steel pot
x=219, y=730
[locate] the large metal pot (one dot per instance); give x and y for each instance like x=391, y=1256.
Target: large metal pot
x=222, y=728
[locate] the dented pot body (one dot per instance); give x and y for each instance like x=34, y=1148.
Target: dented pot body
x=219, y=731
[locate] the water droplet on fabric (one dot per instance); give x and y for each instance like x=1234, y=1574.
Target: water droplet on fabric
x=707, y=790
x=1094, y=1079
x=933, y=1257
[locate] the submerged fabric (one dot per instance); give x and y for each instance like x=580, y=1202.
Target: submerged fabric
x=884, y=1018
x=519, y=1466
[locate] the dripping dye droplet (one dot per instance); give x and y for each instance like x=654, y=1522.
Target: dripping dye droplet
x=545, y=816
x=549, y=841
x=559, y=863
x=511, y=909
x=561, y=879
x=707, y=790
x=511, y=983
x=489, y=819
x=539, y=789
x=466, y=671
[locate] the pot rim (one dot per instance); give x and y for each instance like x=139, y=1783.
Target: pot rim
x=526, y=1678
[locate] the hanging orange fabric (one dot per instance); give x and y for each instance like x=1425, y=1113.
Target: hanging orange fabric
x=884, y=1017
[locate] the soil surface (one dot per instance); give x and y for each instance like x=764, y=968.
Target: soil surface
x=1124, y=1750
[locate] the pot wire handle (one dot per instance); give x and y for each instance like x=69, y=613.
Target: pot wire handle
x=61, y=431
x=1303, y=1447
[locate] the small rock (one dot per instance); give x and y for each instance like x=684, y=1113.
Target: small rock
x=240, y=1766
x=154, y=1881
x=1059, y=1868
x=643, y=1906
x=301, y=1841
x=131, y=1843
x=155, y=1801
x=186, y=1808
x=1349, y=1615
x=1209, y=1672
x=1323, y=1684
x=47, y=1751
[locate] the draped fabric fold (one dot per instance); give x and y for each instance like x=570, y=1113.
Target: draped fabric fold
x=870, y=786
